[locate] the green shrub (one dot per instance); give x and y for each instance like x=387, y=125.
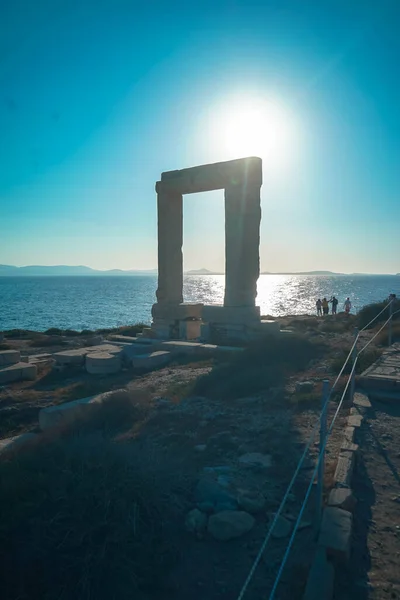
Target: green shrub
x=369, y=312
x=53, y=331
x=71, y=333
x=130, y=330
x=44, y=342
x=383, y=337
x=262, y=365
x=365, y=360
x=18, y=334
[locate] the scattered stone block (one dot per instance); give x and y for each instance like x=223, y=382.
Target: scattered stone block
x=282, y=528
x=344, y=469
x=16, y=442
x=103, y=363
x=349, y=434
x=19, y=372
x=320, y=579
x=55, y=416
x=94, y=341
x=335, y=534
x=180, y=347
x=256, y=459
x=251, y=502
x=152, y=360
x=304, y=387
x=348, y=447
x=355, y=420
x=9, y=357
x=71, y=357
x=211, y=497
x=230, y=524
x=342, y=498
x=196, y=522
x=122, y=338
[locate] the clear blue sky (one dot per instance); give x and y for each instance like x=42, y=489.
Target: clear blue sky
x=98, y=97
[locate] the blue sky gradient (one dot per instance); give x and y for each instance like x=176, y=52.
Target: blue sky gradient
x=97, y=98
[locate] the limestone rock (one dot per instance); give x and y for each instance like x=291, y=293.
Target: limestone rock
x=9, y=357
x=196, y=522
x=230, y=524
x=251, y=502
x=256, y=459
x=304, y=387
x=282, y=528
x=200, y=447
x=211, y=497
x=335, y=533
x=103, y=363
x=342, y=498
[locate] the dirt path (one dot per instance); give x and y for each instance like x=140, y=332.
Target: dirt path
x=374, y=568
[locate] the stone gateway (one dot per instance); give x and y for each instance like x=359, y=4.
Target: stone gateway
x=239, y=317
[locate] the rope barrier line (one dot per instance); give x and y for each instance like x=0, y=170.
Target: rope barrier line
x=378, y=332
x=292, y=481
x=378, y=315
x=322, y=449
x=296, y=526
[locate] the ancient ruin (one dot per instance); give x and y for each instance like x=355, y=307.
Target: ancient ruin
x=238, y=317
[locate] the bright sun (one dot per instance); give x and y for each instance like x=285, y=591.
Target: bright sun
x=257, y=128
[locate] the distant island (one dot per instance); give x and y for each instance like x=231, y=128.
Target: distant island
x=64, y=270
x=80, y=270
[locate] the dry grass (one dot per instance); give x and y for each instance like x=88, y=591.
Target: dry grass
x=80, y=517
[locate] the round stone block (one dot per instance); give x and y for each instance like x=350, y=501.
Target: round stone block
x=103, y=363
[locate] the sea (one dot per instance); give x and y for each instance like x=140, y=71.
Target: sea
x=96, y=302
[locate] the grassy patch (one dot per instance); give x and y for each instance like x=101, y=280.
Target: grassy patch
x=47, y=341
x=365, y=360
x=369, y=312
x=4, y=346
x=79, y=519
x=337, y=323
x=130, y=330
x=262, y=365
x=80, y=516
x=383, y=337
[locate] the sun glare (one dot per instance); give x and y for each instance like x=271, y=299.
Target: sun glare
x=257, y=128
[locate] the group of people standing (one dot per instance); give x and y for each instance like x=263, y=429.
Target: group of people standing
x=323, y=306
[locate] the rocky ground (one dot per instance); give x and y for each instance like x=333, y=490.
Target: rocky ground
x=208, y=456
x=374, y=571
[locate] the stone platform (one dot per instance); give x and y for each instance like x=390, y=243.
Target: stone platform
x=384, y=374
x=13, y=369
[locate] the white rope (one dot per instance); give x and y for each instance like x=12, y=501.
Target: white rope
x=322, y=450
x=378, y=315
x=292, y=481
x=312, y=435
x=378, y=332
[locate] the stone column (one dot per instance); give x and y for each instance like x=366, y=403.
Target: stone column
x=242, y=240
x=170, y=240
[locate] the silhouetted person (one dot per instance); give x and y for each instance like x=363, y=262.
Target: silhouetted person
x=334, y=302
x=318, y=304
x=347, y=306
x=325, y=306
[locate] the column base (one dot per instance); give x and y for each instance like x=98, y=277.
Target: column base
x=176, y=321
x=231, y=314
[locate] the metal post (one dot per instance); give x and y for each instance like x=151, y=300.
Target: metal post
x=321, y=465
x=354, y=357
x=390, y=324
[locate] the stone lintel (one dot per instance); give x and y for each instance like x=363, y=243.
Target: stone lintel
x=212, y=177
x=240, y=315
